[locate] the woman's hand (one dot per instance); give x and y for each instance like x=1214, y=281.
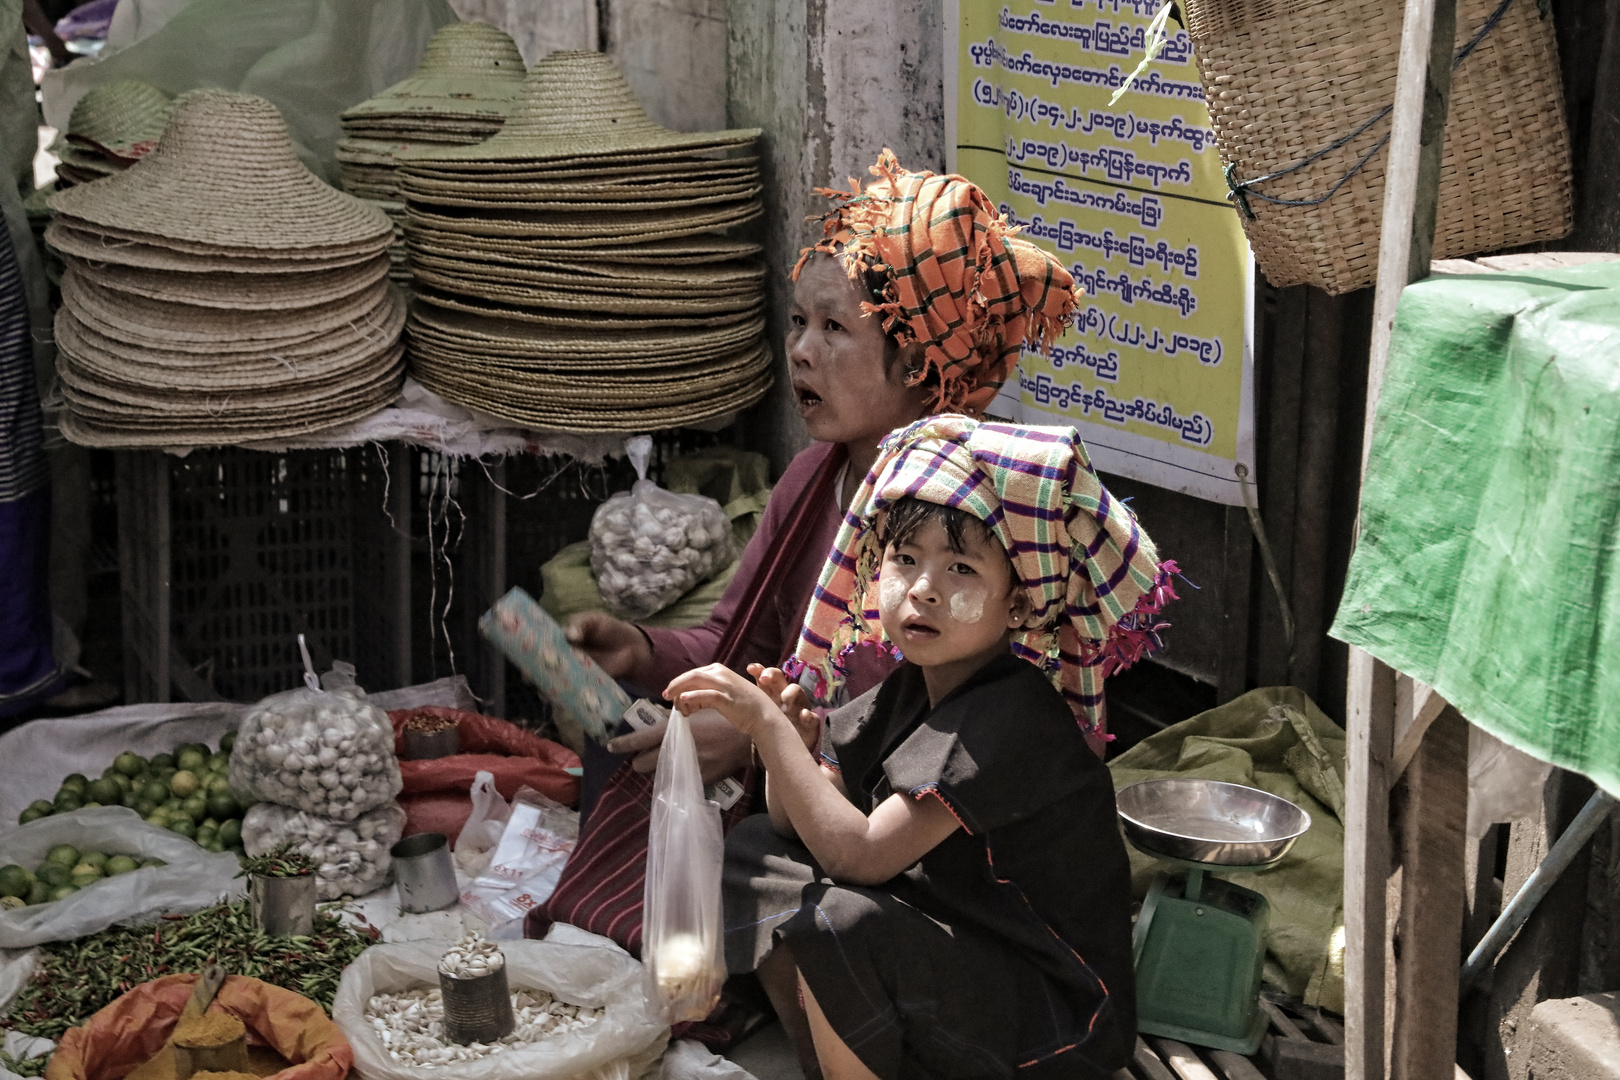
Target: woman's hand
x=722, y=749
x=618, y=647
x=750, y=709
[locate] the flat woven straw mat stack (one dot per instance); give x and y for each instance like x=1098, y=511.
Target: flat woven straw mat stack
x=571, y=272
x=470, y=79
x=218, y=292
x=110, y=128
x=1287, y=79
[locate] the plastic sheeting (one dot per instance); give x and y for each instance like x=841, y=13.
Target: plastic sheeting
x=1277, y=740
x=312, y=58
x=1490, y=515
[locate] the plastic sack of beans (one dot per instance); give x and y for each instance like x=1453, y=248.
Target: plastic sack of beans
x=649, y=546
x=321, y=748
x=351, y=857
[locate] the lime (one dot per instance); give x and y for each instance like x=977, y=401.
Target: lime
x=63, y=855
x=145, y=806
x=130, y=763
x=162, y=761
x=8, y=903
x=62, y=892
x=120, y=864
x=209, y=822
x=222, y=806
x=68, y=800
x=109, y=772
x=38, y=893
x=197, y=806
x=173, y=803
x=183, y=826
x=191, y=760
x=219, y=763
x=158, y=817
x=91, y=805
x=152, y=862
x=15, y=881
x=54, y=874
x=156, y=790
x=212, y=844
x=130, y=799
x=230, y=833
x=124, y=783
x=184, y=783
x=31, y=815
x=84, y=874
x=105, y=791
x=44, y=806
x=94, y=858
x=77, y=781
x=219, y=785
x=228, y=742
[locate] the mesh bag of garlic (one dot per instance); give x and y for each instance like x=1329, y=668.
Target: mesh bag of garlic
x=578, y=1009
x=351, y=857
x=650, y=546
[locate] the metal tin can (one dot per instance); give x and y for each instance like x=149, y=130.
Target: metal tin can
x=425, y=873
x=424, y=745
x=283, y=905
x=479, y=1009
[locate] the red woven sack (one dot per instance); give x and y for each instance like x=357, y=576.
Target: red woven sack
x=436, y=792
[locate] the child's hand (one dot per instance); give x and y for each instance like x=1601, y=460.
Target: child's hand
x=794, y=702
x=750, y=709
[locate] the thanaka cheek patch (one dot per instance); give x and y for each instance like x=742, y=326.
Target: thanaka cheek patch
x=967, y=605
x=891, y=592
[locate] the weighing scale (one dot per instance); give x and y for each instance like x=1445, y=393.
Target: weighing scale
x=1200, y=941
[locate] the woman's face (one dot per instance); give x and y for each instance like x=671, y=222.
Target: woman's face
x=836, y=361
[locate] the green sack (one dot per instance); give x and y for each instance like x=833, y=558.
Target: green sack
x=736, y=479
x=1490, y=517
x=1277, y=740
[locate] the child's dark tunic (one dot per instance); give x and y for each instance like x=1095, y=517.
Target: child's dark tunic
x=1006, y=950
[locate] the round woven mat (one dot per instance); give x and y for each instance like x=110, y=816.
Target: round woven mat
x=589, y=227
x=493, y=337
x=78, y=238
x=608, y=322
x=582, y=170
x=697, y=249
x=225, y=175
x=534, y=296
x=676, y=281
x=611, y=201
x=236, y=292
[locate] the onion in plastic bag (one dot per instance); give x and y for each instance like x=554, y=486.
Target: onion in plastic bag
x=649, y=546
x=322, y=748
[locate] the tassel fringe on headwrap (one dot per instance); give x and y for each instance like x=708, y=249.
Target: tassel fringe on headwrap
x=1095, y=582
x=959, y=282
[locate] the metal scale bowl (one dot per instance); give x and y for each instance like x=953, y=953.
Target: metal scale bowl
x=1199, y=943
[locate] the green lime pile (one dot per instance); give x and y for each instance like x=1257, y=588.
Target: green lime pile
x=185, y=792
x=64, y=872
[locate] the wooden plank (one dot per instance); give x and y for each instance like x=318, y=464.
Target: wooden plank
x=1429, y=935
x=1277, y=497
x=1412, y=720
x=1371, y=709
x=1236, y=1066
x=1232, y=673
x=1283, y=1022
x=1181, y=1058
x=1148, y=1065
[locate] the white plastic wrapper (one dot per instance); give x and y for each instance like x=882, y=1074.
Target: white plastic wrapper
x=323, y=748
x=192, y=880
x=626, y=1042
x=649, y=546
x=686, y=852
x=351, y=857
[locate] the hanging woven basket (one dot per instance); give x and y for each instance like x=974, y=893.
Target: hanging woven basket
x=1300, y=93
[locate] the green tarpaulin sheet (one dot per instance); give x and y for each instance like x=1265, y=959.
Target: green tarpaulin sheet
x=1485, y=565
x=1275, y=739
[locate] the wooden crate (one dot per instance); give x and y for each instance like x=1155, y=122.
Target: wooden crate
x=1302, y=1043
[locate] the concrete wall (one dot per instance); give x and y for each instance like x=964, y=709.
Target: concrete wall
x=832, y=82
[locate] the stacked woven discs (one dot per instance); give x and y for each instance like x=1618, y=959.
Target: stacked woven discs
x=218, y=292
x=470, y=79
x=569, y=271
x=111, y=128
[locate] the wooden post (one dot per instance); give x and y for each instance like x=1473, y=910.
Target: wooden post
x=1411, y=196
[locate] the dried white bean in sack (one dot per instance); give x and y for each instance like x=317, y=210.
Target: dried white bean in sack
x=411, y=1025
x=351, y=857
x=474, y=955
x=649, y=546
x=326, y=751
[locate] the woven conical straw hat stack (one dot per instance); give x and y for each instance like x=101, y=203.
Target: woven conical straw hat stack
x=111, y=128
x=572, y=271
x=218, y=292
x=470, y=79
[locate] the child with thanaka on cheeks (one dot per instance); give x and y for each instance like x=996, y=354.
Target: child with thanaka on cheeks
x=940, y=859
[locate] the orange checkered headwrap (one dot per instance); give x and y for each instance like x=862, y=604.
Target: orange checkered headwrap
x=958, y=280
x=1094, y=579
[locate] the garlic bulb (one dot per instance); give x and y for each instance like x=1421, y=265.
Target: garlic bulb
x=410, y=1026
x=648, y=546
x=351, y=856
x=329, y=753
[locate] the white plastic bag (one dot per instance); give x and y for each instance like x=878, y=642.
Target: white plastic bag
x=525, y=865
x=626, y=1041
x=192, y=880
x=322, y=748
x=686, y=852
x=1504, y=784
x=484, y=826
x=649, y=546
x=351, y=857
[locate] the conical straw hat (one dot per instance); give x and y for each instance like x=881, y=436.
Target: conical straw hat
x=236, y=292
x=123, y=118
x=577, y=104
x=469, y=69
x=225, y=175
x=82, y=239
